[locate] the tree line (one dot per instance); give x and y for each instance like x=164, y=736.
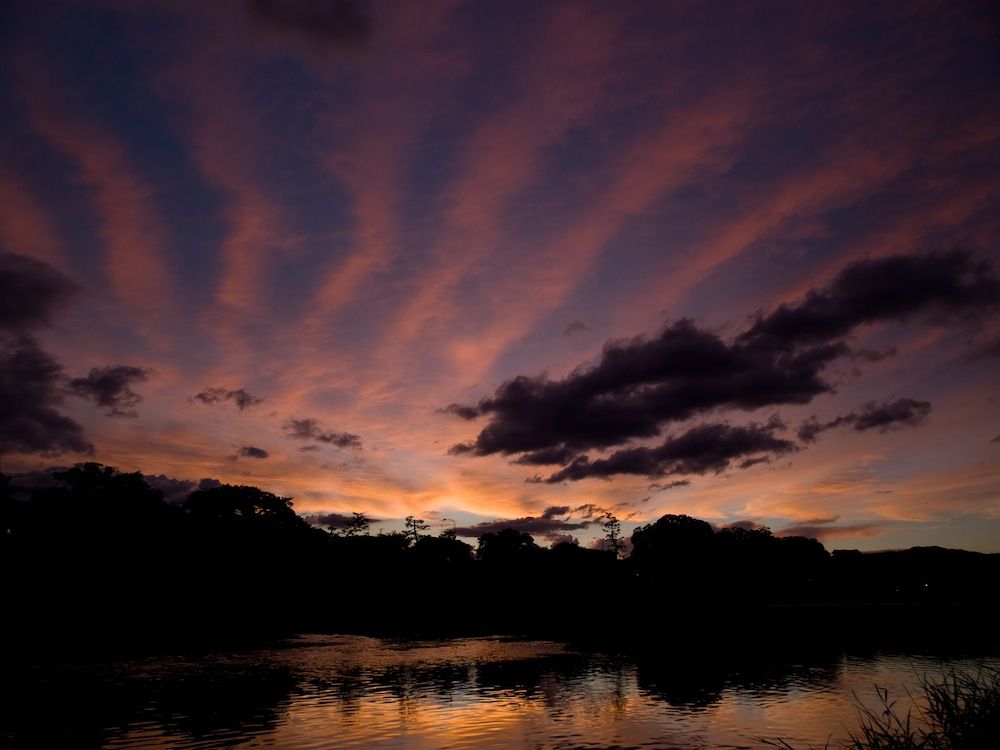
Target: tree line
x=102, y=557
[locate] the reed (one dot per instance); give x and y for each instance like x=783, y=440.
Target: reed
x=960, y=711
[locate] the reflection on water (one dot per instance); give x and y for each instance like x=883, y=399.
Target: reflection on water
x=347, y=692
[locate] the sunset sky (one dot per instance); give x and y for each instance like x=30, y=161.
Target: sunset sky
x=504, y=260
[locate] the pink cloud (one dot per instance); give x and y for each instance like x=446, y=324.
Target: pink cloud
x=136, y=240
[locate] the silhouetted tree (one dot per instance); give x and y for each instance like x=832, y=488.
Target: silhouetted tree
x=671, y=535
x=442, y=551
x=6, y=508
x=676, y=549
x=241, y=504
x=506, y=545
x=358, y=525
x=237, y=560
x=413, y=528
x=447, y=533
x=107, y=489
x=613, y=534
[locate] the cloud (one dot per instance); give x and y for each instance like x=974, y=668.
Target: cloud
x=904, y=412
x=463, y=412
x=823, y=528
x=328, y=22
x=869, y=355
x=600, y=544
x=25, y=483
x=996, y=439
x=555, y=539
x=111, y=387
x=554, y=511
x=309, y=429
x=670, y=485
x=30, y=293
x=30, y=390
x=890, y=415
x=30, y=378
x=640, y=385
x=547, y=456
x=553, y=524
x=240, y=397
x=748, y=462
x=547, y=527
x=249, y=451
x=175, y=491
x=574, y=328
x=700, y=450
x=941, y=286
x=590, y=510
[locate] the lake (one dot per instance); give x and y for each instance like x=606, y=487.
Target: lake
x=354, y=692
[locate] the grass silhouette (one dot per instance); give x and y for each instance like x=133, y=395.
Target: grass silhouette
x=961, y=711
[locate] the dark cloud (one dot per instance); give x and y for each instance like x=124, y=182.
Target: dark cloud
x=546, y=456
x=577, y=326
x=239, y=396
x=904, y=412
x=589, y=510
x=812, y=427
x=327, y=22
x=30, y=293
x=309, y=429
x=891, y=415
x=700, y=450
x=554, y=511
x=534, y=525
x=111, y=387
x=176, y=490
x=464, y=412
x=824, y=528
x=552, y=525
x=942, y=286
x=30, y=378
x=602, y=545
x=670, y=485
x=24, y=483
x=249, y=451
x=869, y=355
x=30, y=391
x=555, y=539
x=748, y=462
x=640, y=385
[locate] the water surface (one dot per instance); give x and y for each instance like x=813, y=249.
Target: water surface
x=355, y=692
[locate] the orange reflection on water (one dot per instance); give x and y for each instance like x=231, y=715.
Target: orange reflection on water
x=353, y=692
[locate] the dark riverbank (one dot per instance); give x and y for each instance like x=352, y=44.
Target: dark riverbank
x=100, y=564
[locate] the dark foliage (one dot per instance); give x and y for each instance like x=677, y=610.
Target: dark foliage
x=99, y=558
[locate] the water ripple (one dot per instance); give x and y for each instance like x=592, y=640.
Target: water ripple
x=322, y=692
